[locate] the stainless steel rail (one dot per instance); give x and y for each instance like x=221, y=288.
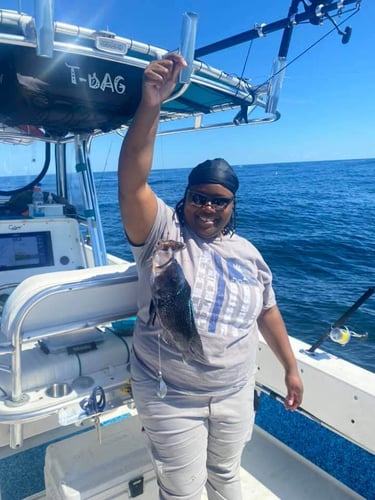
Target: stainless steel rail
x=17, y=322
x=13, y=327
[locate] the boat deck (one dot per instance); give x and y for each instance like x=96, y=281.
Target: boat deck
x=271, y=470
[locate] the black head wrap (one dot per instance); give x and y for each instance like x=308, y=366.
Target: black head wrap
x=217, y=171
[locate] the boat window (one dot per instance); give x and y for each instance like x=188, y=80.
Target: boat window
x=22, y=165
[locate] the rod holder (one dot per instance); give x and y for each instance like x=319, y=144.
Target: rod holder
x=188, y=37
x=275, y=84
x=44, y=27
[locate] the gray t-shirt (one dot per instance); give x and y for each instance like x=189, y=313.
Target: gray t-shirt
x=231, y=285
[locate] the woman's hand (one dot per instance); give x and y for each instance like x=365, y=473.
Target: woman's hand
x=160, y=78
x=272, y=327
x=294, y=387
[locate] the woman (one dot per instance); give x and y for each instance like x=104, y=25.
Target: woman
x=197, y=412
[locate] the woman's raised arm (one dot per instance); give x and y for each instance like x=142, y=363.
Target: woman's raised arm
x=137, y=200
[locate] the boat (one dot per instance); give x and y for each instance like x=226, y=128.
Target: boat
x=68, y=424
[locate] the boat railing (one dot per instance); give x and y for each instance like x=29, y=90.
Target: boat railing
x=345, y=406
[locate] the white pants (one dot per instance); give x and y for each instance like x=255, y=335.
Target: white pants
x=195, y=441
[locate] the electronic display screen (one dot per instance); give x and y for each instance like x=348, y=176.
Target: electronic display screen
x=25, y=250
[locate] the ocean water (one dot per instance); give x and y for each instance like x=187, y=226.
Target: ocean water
x=313, y=223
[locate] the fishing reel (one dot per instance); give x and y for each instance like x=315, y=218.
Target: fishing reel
x=345, y=35
x=338, y=334
x=342, y=335
x=317, y=10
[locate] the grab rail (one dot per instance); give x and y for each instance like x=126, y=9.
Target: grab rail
x=55, y=303
x=77, y=315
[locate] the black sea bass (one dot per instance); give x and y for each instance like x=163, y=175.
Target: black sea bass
x=171, y=300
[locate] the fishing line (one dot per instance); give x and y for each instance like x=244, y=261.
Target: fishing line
x=267, y=81
x=305, y=51
x=162, y=389
x=245, y=64
x=105, y=167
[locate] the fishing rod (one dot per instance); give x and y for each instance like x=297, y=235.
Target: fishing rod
x=340, y=322
x=315, y=13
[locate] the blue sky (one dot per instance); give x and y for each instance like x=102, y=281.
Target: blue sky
x=327, y=102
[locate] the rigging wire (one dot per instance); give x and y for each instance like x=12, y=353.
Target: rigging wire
x=245, y=64
x=266, y=82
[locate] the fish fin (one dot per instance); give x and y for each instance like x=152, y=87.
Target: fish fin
x=196, y=347
x=195, y=351
x=152, y=314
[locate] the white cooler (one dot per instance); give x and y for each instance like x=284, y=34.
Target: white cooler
x=118, y=468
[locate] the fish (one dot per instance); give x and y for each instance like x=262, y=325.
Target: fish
x=171, y=301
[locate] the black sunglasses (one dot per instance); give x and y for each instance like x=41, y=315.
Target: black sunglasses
x=200, y=200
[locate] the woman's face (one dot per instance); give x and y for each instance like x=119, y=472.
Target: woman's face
x=208, y=209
